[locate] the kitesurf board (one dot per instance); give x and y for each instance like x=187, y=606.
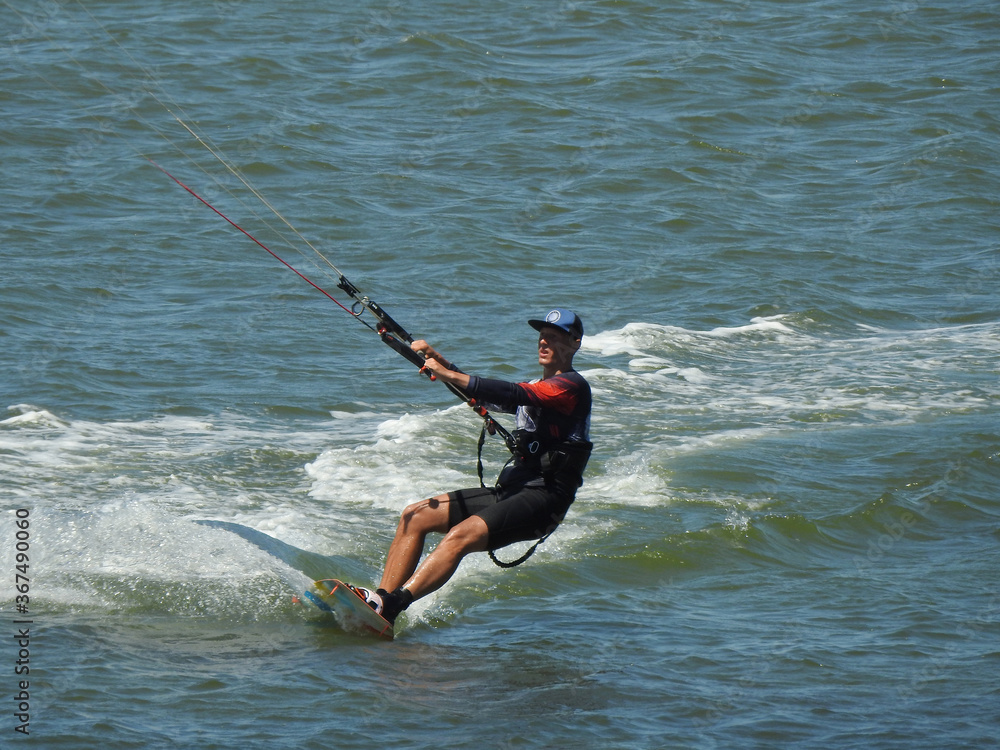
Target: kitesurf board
x=349, y=608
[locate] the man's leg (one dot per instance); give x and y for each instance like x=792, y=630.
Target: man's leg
x=402, y=580
x=415, y=523
x=471, y=535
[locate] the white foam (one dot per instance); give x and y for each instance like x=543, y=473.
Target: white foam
x=756, y=325
x=31, y=415
x=404, y=463
x=694, y=375
x=116, y=501
x=766, y=370
x=659, y=364
x=636, y=339
x=113, y=555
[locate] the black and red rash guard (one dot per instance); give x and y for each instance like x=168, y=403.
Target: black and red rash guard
x=555, y=410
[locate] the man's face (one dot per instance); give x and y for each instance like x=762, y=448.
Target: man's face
x=555, y=346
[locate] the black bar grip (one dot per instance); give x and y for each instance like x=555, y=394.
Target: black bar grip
x=402, y=348
x=387, y=322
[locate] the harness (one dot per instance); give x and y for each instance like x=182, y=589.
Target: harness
x=561, y=464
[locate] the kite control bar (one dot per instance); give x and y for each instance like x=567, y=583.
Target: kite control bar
x=397, y=338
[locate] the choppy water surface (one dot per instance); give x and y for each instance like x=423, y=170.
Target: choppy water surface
x=779, y=225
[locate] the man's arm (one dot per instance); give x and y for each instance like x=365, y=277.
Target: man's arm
x=439, y=366
x=560, y=393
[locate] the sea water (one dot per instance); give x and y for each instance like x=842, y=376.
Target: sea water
x=778, y=222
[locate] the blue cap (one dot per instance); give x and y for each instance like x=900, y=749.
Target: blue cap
x=562, y=319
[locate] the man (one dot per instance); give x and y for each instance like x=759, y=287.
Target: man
x=534, y=490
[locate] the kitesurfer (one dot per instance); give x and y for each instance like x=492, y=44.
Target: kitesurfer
x=532, y=493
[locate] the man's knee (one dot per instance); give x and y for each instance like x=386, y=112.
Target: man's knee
x=425, y=515
x=472, y=535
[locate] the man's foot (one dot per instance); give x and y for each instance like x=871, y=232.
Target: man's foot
x=388, y=604
x=372, y=598
x=394, y=602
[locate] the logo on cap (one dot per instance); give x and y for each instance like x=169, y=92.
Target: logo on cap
x=553, y=317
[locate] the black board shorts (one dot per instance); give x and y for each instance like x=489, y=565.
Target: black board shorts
x=511, y=514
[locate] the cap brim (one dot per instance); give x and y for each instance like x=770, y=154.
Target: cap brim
x=540, y=324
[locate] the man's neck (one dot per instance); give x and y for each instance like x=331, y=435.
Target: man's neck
x=553, y=370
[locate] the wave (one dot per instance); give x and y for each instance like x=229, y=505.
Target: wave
x=791, y=449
